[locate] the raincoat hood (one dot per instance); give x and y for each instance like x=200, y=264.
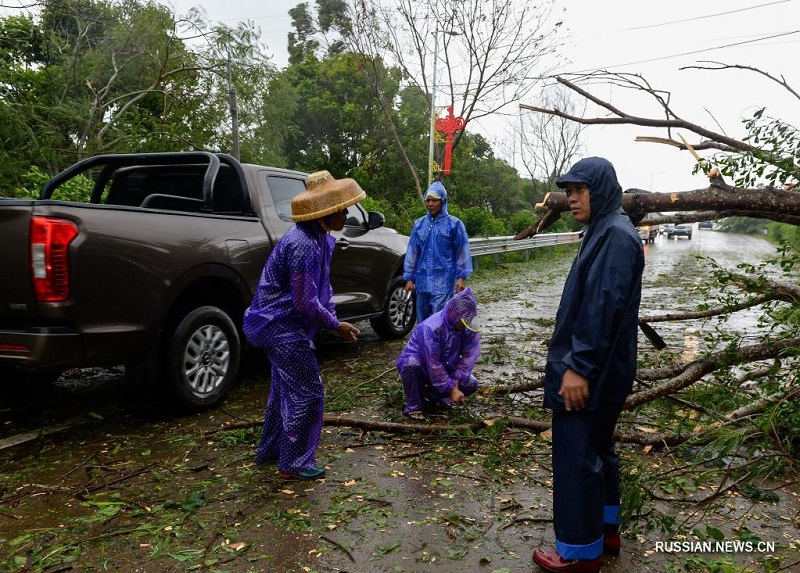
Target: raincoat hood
x=605, y=192
x=462, y=306
x=437, y=191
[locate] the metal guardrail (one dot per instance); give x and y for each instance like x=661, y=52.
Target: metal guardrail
x=496, y=245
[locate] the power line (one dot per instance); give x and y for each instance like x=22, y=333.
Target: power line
x=704, y=17
x=733, y=45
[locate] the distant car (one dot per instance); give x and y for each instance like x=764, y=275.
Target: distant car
x=680, y=231
x=648, y=233
x=706, y=225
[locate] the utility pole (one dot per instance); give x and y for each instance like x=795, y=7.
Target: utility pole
x=433, y=98
x=433, y=106
x=234, y=111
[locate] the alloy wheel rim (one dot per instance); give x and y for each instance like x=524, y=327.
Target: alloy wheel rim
x=206, y=359
x=399, y=305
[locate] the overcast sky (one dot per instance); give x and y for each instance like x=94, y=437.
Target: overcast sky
x=651, y=38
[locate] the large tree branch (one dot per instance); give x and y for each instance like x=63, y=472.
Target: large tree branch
x=716, y=197
x=783, y=295
x=695, y=370
x=694, y=216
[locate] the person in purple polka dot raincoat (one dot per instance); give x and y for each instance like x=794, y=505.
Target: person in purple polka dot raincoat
x=293, y=300
x=436, y=365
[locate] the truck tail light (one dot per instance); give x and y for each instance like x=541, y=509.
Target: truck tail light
x=50, y=239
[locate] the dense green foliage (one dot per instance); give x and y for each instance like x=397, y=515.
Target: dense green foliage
x=775, y=158
x=89, y=76
x=85, y=77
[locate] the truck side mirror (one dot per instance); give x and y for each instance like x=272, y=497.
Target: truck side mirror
x=375, y=220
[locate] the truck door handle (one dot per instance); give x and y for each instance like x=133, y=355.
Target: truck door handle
x=343, y=243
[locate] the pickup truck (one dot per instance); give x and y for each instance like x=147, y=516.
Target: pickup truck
x=155, y=269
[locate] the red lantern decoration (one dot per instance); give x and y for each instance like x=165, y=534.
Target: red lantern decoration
x=449, y=125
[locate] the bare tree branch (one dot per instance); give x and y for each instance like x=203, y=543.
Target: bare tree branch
x=622, y=118
x=712, y=65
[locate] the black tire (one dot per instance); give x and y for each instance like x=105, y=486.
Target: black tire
x=202, y=358
x=689, y=236
x=399, y=315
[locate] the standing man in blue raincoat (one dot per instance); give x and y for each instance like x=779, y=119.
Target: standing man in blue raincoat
x=591, y=364
x=438, y=261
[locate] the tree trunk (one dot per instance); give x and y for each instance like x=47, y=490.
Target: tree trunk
x=717, y=200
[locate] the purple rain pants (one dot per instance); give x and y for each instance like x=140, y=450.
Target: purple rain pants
x=420, y=393
x=293, y=415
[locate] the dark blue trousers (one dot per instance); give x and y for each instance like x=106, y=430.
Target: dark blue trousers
x=585, y=479
x=430, y=303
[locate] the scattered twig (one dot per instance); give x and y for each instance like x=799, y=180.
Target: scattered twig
x=523, y=519
x=339, y=546
x=140, y=471
x=5, y=513
x=789, y=567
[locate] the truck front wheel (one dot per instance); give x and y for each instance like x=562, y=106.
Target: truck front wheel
x=203, y=358
x=399, y=314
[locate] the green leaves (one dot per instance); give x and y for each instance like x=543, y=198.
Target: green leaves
x=775, y=161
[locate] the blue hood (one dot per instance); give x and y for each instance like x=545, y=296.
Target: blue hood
x=438, y=190
x=605, y=193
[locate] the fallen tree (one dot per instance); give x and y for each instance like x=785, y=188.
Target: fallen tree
x=776, y=162
x=716, y=201
x=678, y=402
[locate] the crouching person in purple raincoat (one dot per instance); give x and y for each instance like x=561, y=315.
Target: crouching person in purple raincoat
x=436, y=364
x=293, y=300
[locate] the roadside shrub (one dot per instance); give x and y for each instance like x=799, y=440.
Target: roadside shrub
x=520, y=221
x=478, y=221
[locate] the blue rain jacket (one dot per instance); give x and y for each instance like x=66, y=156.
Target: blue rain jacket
x=438, y=250
x=596, y=327
x=446, y=355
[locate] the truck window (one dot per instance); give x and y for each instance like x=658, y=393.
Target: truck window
x=282, y=190
x=355, y=217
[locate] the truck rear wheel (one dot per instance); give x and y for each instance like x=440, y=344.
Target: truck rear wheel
x=399, y=314
x=203, y=356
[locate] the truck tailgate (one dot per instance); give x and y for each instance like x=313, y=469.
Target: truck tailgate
x=16, y=288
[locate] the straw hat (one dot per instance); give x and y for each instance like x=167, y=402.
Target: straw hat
x=325, y=195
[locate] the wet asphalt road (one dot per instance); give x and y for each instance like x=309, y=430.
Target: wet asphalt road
x=103, y=393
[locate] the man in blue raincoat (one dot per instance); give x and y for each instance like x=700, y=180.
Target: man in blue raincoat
x=438, y=261
x=591, y=364
x=436, y=364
